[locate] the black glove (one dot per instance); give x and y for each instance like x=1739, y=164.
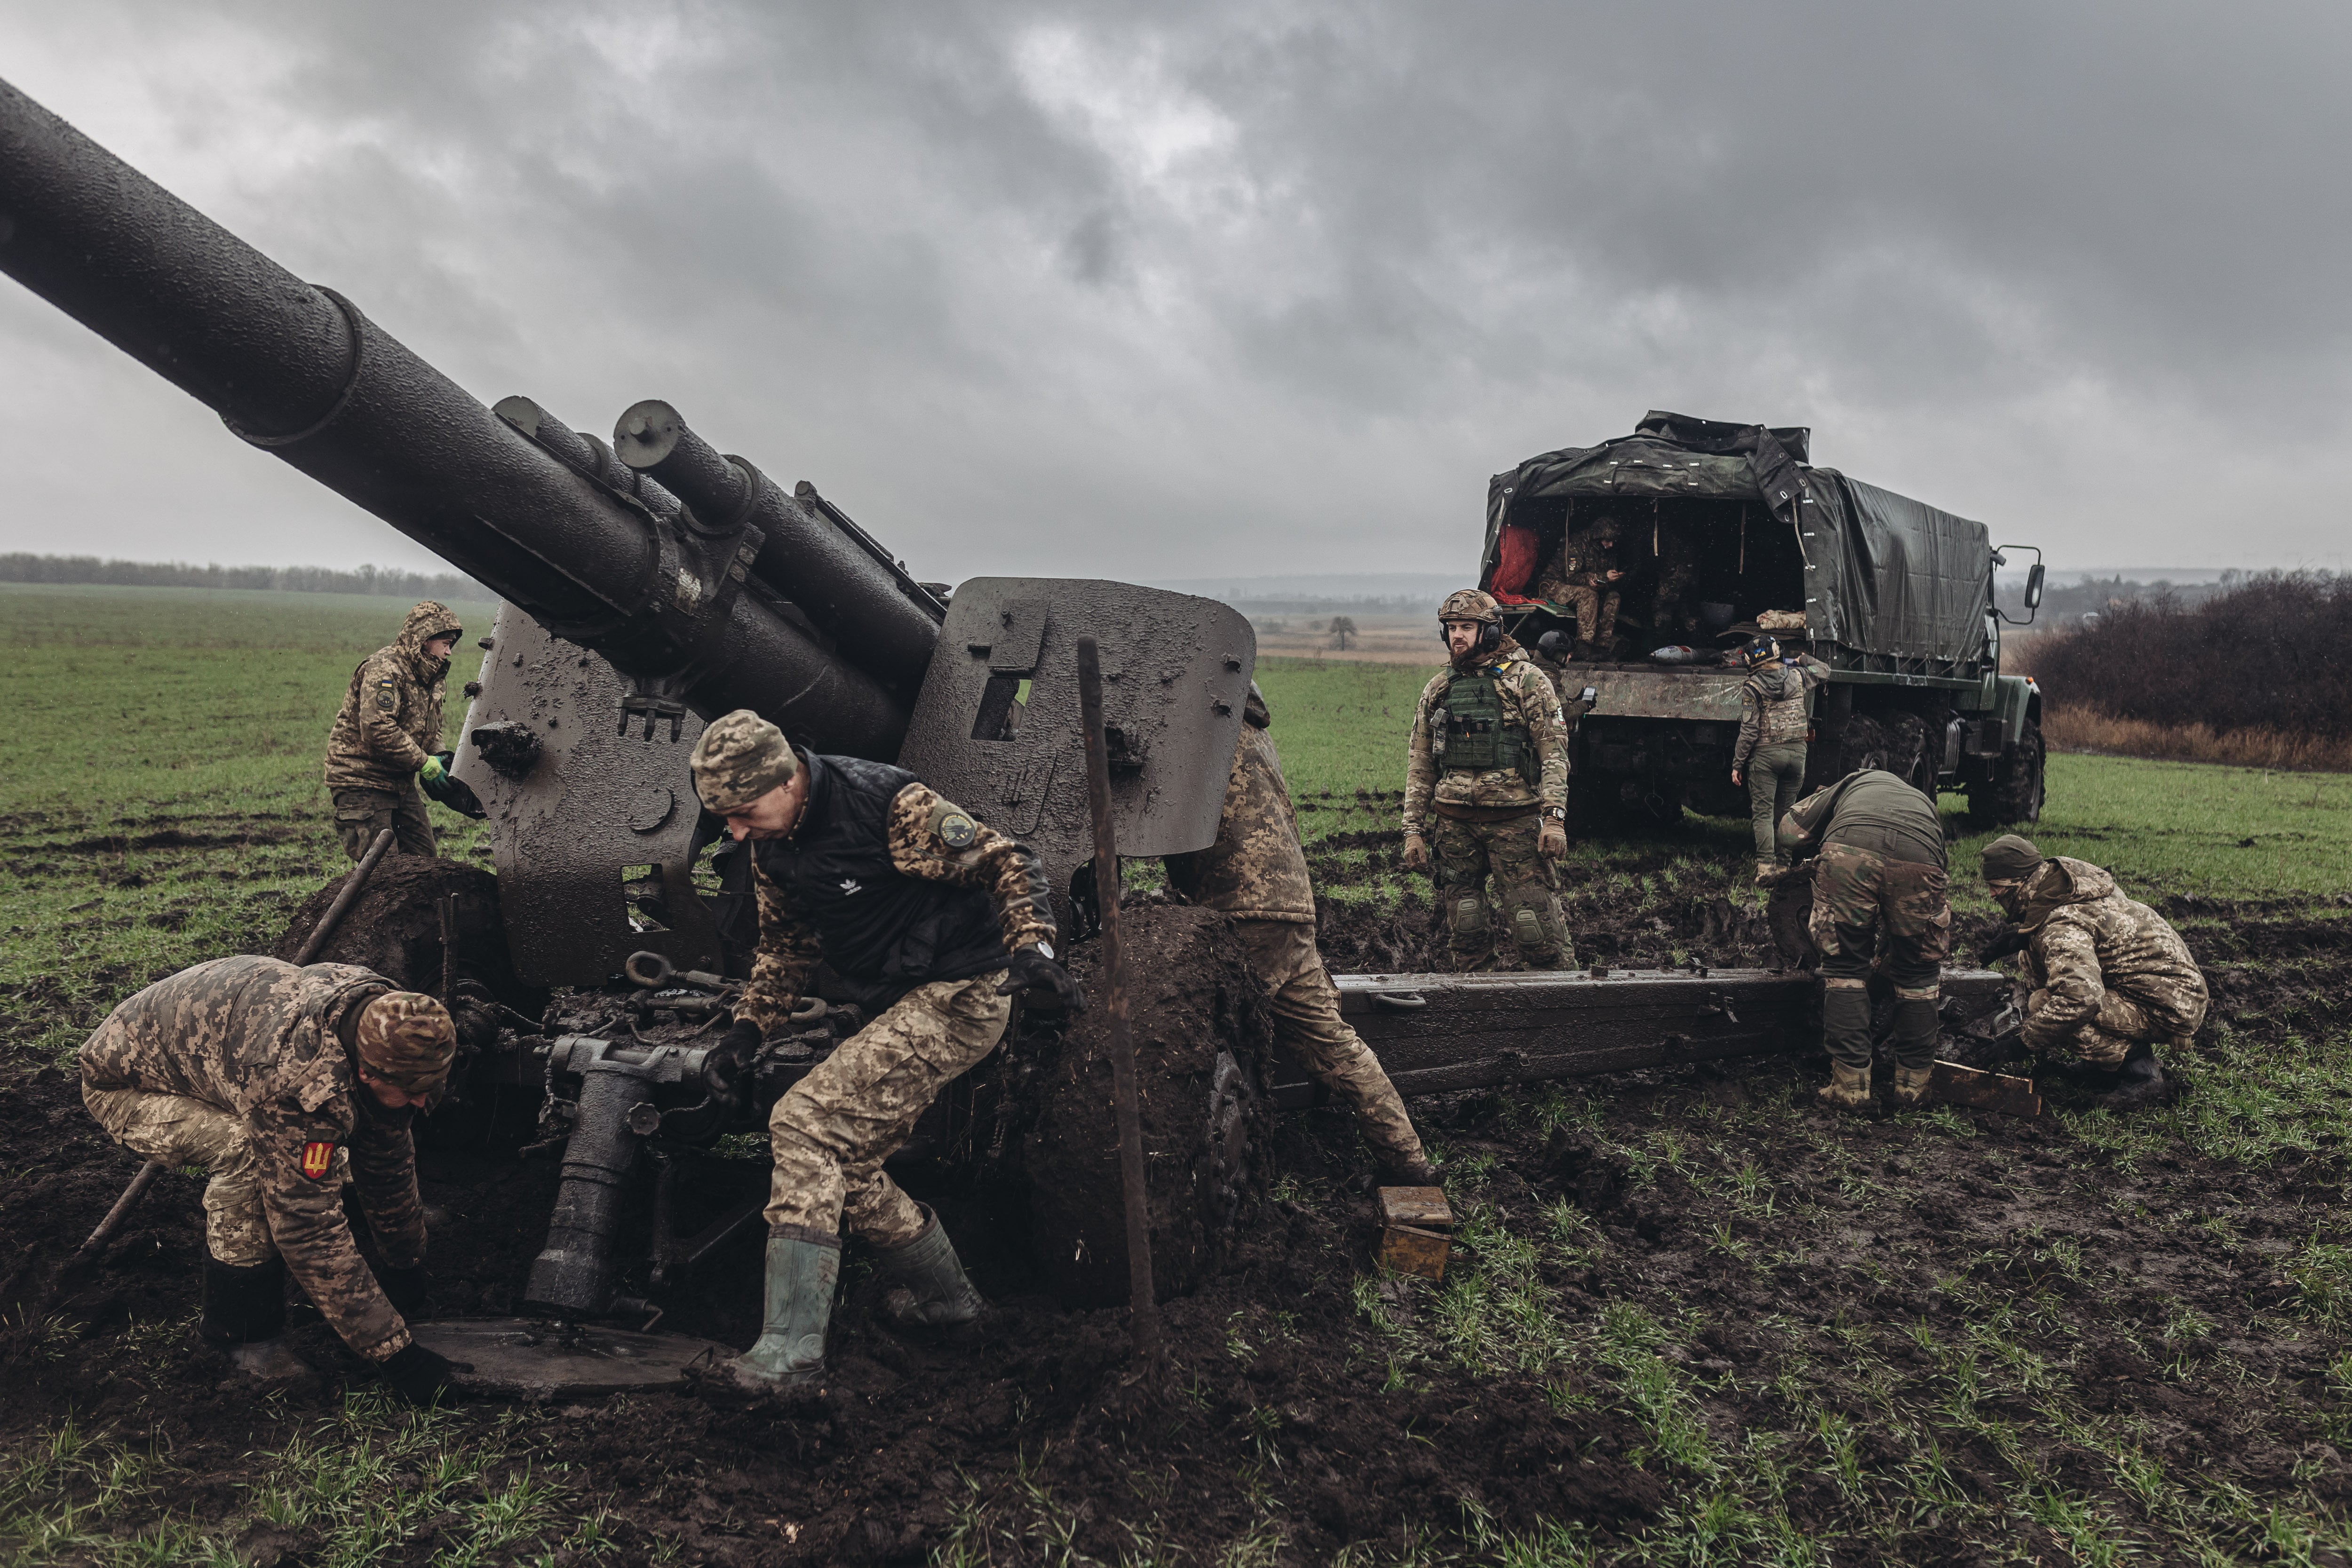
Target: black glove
x=743, y=1040
x=2005, y=941
x=1033, y=966
x=419, y=1375
x=450, y=790
x=404, y=1288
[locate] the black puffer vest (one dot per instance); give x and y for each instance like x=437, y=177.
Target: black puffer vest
x=883, y=932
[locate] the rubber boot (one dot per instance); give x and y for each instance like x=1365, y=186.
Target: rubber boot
x=1848, y=1087
x=1413, y=1172
x=244, y=1314
x=789, y=1352
x=2139, y=1082
x=1911, y=1084
x=925, y=1287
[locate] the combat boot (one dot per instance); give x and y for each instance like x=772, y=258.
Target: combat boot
x=244, y=1315
x=2139, y=1082
x=1911, y=1084
x=789, y=1352
x=1770, y=873
x=925, y=1286
x=1848, y=1087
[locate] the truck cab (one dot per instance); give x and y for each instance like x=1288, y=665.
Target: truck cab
x=1726, y=531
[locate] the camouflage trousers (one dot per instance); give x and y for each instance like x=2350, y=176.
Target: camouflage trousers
x=831, y=1131
x=2122, y=1023
x=1873, y=911
x=1468, y=853
x=1776, y=777
x=1596, y=614
x=361, y=814
x=182, y=1131
x=1307, y=1022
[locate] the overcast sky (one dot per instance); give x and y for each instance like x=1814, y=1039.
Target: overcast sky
x=1199, y=290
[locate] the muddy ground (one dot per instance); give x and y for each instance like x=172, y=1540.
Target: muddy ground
x=1692, y=1317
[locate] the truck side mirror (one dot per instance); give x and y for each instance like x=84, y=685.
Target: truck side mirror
x=2033, y=588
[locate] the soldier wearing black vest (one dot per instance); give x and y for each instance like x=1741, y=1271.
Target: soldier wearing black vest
x=936, y=919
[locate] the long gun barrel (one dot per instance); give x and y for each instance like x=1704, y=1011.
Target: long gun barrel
x=599, y=554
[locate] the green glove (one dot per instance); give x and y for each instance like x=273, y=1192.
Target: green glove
x=432, y=773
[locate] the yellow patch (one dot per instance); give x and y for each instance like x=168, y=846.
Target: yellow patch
x=317, y=1159
x=957, y=831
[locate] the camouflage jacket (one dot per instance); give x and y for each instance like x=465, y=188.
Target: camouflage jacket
x=923, y=836
x=1772, y=706
x=2084, y=939
x=1256, y=869
x=1531, y=703
x=1873, y=810
x=391, y=718
x=265, y=1041
x=1583, y=562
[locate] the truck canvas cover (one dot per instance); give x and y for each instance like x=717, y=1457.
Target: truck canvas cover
x=1885, y=576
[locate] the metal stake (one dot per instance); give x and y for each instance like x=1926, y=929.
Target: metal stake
x=343, y=900
x=1145, y=1312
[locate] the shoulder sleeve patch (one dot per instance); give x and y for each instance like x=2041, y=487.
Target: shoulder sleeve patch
x=317, y=1159
x=953, y=826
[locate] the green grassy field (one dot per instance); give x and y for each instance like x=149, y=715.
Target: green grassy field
x=163, y=806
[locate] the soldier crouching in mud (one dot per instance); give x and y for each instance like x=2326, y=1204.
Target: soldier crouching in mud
x=1489, y=760
x=942, y=919
x=286, y=1084
x=1256, y=872
x=388, y=736
x=1880, y=900
x=2107, y=978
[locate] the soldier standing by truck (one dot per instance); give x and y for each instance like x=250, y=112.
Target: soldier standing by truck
x=1256, y=872
x=939, y=920
x=285, y=1084
x=388, y=732
x=2108, y=978
x=1584, y=575
x=1489, y=762
x=1879, y=901
x=1770, y=757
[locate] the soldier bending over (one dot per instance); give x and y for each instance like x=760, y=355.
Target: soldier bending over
x=387, y=734
x=1879, y=895
x=1770, y=757
x=941, y=919
x=286, y=1084
x=2108, y=977
x=1256, y=872
x=1489, y=759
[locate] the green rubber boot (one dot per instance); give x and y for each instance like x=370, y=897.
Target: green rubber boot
x=790, y=1353
x=924, y=1282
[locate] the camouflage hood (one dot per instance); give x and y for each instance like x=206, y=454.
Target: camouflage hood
x=1777, y=683
x=2062, y=880
x=429, y=619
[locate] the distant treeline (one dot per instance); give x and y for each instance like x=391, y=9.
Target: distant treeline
x=20, y=567
x=2271, y=651
x=1364, y=605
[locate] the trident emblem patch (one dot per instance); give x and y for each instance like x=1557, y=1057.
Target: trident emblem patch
x=317, y=1159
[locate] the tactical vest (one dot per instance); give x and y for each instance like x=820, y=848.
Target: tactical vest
x=1785, y=721
x=1479, y=736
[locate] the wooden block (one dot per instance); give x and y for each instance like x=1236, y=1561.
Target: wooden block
x=1984, y=1091
x=1423, y=1208
x=1411, y=1250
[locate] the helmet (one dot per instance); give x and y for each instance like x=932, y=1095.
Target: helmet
x=1469, y=605
x=1760, y=650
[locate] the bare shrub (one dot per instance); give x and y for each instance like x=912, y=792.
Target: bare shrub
x=2078, y=727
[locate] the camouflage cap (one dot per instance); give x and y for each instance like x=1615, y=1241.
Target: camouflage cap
x=1607, y=528
x=740, y=758
x=1469, y=605
x=2010, y=858
x=405, y=1038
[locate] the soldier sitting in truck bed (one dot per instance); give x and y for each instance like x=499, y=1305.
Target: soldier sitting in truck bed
x=1585, y=575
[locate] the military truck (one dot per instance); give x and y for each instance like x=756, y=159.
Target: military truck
x=1726, y=528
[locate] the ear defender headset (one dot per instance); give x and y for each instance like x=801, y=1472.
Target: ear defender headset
x=1490, y=636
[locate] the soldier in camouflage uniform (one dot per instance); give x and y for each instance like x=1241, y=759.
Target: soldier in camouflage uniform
x=2107, y=978
x=286, y=1084
x=1673, y=614
x=1584, y=575
x=387, y=734
x=1489, y=762
x=1770, y=756
x=1879, y=901
x=1256, y=872
x=937, y=920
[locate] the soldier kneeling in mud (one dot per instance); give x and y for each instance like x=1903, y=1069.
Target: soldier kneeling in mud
x=1256, y=872
x=939, y=919
x=286, y=1084
x=2107, y=978
x=1879, y=901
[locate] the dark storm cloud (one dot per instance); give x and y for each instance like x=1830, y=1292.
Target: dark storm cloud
x=1171, y=291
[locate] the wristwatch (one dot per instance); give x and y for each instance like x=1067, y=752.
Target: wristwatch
x=1557, y=812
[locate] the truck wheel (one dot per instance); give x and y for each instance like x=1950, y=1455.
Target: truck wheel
x=2014, y=793
x=1906, y=748
x=1860, y=745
